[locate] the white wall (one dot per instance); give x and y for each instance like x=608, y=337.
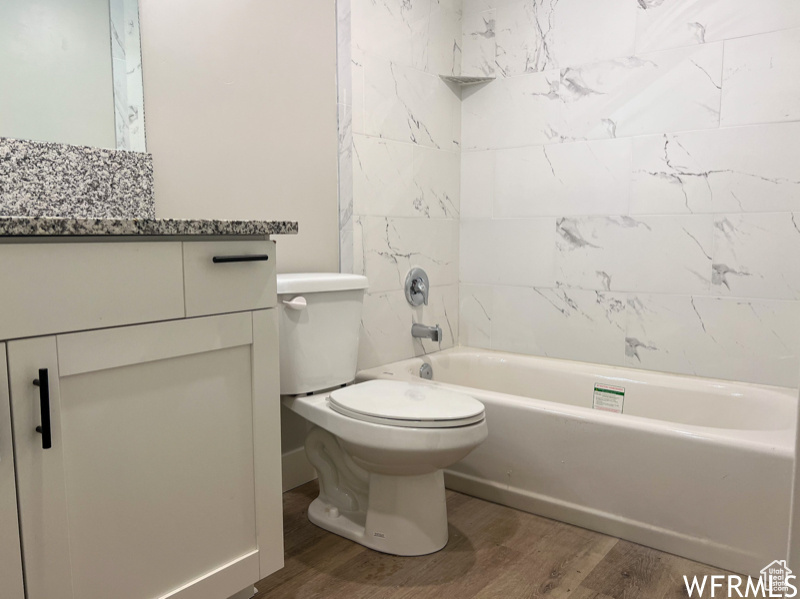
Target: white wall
x=631, y=189
x=55, y=72
x=240, y=98
x=240, y=102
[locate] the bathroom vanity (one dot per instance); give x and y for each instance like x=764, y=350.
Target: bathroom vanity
x=139, y=376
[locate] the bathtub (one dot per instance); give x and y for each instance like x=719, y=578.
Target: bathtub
x=697, y=467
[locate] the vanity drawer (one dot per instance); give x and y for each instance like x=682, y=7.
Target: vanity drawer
x=59, y=287
x=241, y=278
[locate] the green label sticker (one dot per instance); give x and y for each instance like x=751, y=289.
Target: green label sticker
x=608, y=398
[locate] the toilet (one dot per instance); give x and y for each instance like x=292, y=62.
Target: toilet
x=379, y=447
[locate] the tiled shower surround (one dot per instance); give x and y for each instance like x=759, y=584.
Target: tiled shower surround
x=629, y=186
x=400, y=174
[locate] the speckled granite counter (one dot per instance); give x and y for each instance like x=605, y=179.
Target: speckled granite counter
x=64, y=181
x=59, y=190
x=63, y=227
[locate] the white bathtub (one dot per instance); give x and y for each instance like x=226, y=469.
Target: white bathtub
x=697, y=467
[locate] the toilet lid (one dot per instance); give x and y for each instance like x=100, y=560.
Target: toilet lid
x=406, y=404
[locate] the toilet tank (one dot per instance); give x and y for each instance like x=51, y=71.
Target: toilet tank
x=318, y=340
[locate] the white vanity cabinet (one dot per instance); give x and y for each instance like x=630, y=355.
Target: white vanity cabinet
x=148, y=454
x=10, y=559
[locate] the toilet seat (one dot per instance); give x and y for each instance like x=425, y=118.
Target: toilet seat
x=397, y=403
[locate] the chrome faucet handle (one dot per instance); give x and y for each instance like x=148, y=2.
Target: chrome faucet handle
x=416, y=287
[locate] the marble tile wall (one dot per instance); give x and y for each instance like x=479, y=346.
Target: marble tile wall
x=344, y=86
x=631, y=185
x=126, y=55
x=626, y=192
x=479, y=43
x=399, y=130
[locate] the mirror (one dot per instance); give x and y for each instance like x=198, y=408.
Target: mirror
x=71, y=72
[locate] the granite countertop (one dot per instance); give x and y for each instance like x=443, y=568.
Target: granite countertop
x=14, y=226
x=60, y=190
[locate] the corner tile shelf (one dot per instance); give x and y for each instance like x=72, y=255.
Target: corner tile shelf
x=466, y=80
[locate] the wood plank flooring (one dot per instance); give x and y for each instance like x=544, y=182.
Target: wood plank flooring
x=494, y=552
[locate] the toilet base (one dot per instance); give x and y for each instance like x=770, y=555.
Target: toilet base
x=405, y=515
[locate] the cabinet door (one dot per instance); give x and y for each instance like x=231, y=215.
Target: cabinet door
x=149, y=488
x=10, y=560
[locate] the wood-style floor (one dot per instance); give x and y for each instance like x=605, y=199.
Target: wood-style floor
x=494, y=552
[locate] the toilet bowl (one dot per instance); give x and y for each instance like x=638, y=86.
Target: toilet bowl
x=381, y=482
x=379, y=447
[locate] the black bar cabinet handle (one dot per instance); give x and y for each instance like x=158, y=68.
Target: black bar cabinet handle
x=247, y=258
x=43, y=382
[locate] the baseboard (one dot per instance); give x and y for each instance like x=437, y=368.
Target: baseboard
x=247, y=593
x=297, y=470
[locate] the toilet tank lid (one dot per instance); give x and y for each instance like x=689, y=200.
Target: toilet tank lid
x=315, y=282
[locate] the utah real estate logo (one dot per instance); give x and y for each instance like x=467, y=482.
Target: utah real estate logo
x=776, y=581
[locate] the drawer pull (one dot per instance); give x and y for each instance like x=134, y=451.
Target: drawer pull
x=247, y=258
x=43, y=382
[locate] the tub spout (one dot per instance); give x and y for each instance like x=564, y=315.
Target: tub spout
x=422, y=331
